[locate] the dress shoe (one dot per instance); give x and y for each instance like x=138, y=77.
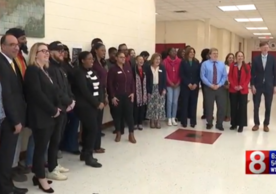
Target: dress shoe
x=219, y=127
x=20, y=190
x=89, y=161
x=233, y=127
x=209, y=126
x=83, y=155
x=255, y=128
x=131, y=138
x=19, y=177
x=266, y=129
x=118, y=137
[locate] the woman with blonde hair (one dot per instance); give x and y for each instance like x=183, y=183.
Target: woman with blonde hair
x=42, y=114
x=156, y=89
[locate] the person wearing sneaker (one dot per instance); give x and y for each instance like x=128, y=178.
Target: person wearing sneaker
x=190, y=78
x=120, y=88
x=89, y=102
x=42, y=116
x=59, y=77
x=156, y=89
x=172, y=65
x=239, y=78
x=140, y=94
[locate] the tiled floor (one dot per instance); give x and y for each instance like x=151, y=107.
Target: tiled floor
x=156, y=165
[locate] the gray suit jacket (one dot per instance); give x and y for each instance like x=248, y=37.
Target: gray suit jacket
x=263, y=77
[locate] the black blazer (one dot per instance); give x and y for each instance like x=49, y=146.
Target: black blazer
x=42, y=98
x=12, y=93
x=162, y=78
x=261, y=77
x=59, y=77
x=83, y=90
x=189, y=74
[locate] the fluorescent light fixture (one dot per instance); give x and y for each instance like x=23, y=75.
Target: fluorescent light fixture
x=264, y=37
x=256, y=28
x=249, y=19
x=262, y=34
x=238, y=8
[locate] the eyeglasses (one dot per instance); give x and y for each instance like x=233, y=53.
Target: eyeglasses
x=13, y=45
x=43, y=51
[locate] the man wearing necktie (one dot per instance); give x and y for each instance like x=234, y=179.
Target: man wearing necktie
x=19, y=66
x=263, y=81
x=213, y=74
x=15, y=111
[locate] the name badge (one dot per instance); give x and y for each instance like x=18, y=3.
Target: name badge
x=96, y=94
x=119, y=72
x=160, y=70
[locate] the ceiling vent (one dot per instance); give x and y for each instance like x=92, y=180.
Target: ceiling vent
x=180, y=11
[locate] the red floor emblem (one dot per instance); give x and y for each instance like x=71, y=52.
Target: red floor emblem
x=194, y=136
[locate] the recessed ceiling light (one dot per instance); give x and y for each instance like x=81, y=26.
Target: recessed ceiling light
x=262, y=34
x=264, y=37
x=238, y=8
x=256, y=28
x=249, y=19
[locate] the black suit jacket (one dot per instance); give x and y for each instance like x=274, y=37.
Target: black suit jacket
x=162, y=78
x=12, y=93
x=42, y=98
x=263, y=78
x=189, y=74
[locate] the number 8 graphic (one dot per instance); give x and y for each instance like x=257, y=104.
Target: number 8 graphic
x=254, y=162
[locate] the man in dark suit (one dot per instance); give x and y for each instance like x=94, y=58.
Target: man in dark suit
x=263, y=81
x=15, y=110
x=18, y=170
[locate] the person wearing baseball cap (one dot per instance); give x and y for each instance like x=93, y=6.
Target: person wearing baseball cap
x=66, y=98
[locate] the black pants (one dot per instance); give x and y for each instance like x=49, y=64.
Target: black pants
x=62, y=116
x=238, y=107
x=123, y=112
x=268, y=97
x=98, y=140
x=8, y=141
x=189, y=105
x=139, y=114
x=203, y=101
x=42, y=137
x=88, y=117
x=111, y=108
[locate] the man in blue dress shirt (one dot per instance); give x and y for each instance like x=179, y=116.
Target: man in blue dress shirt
x=213, y=74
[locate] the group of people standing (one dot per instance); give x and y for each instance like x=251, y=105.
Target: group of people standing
x=52, y=95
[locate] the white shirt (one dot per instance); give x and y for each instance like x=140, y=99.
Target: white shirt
x=155, y=72
x=227, y=70
x=9, y=59
x=264, y=59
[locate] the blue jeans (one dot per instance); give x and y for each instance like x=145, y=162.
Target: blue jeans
x=172, y=101
x=70, y=137
x=30, y=152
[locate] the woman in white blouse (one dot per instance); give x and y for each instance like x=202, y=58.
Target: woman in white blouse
x=228, y=61
x=156, y=89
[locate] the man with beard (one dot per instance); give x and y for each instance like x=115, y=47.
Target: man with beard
x=18, y=170
x=59, y=77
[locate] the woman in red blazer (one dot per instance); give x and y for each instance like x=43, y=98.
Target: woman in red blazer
x=239, y=77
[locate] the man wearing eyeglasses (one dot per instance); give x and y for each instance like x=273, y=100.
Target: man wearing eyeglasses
x=15, y=111
x=20, y=63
